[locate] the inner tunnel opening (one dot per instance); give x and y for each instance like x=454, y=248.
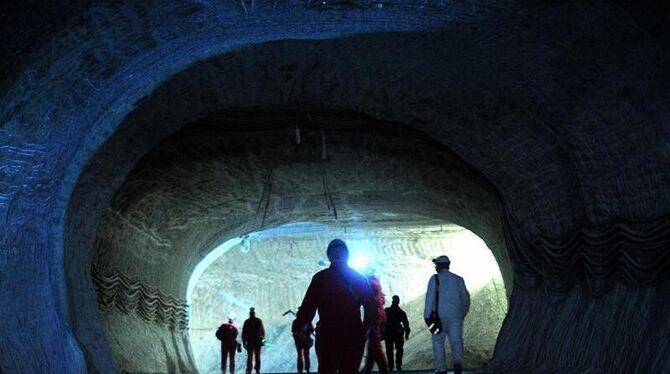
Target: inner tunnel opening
x=270, y=270
x=284, y=177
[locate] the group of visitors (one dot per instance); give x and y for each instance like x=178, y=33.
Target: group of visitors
x=337, y=293
x=253, y=338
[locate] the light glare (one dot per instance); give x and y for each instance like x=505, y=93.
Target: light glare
x=359, y=262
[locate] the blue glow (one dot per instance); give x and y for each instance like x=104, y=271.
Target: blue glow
x=359, y=262
x=296, y=228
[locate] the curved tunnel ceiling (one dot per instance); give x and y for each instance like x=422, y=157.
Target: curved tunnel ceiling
x=242, y=171
x=563, y=107
x=221, y=178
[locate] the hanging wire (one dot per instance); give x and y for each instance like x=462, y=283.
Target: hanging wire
x=330, y=204
x=324, y=153
x=265, y=197
x=297, y=132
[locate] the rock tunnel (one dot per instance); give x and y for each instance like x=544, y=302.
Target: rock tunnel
x=347, y=171
x=137, y=137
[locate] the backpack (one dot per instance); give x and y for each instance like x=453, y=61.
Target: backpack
x=304, y=338
x=227, y=333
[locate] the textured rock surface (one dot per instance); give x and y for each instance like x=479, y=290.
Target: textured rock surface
x=640, y=315
x=146, y=347
x=273, y=277
x=561, y=106
x=211, y=182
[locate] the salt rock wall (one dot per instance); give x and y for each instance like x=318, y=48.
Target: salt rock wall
x=562, y=106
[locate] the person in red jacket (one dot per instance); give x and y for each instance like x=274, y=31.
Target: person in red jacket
x=253, y=338
x=375, y=352
x=338, y=293
x=227, y=334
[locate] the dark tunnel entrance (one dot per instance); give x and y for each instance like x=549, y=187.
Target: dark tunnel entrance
x=250, y=170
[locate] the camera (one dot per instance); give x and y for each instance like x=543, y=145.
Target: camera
x=435, y=328
x=434, y=324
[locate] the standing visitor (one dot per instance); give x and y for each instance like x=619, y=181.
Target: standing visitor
x=253, y=338
x=302, y=335
x=227, y=334
x=449, y=301
x=397, y=332
x=375, y=352
x=338, y=293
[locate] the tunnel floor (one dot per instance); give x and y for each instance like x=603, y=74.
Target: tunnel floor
x=465, y=371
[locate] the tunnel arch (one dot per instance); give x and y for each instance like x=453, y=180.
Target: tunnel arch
x=423, y=113
x=164, y=112
x=577, y=64
x=376, y=169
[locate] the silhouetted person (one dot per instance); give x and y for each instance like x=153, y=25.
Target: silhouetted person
x=253, y=338
x=302, y=335
x=453, y=306
x=396, y=332
x=227, y=334
x=338, y=293
x=375, y=352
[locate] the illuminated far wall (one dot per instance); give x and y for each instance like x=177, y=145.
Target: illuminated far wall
x=271, y=272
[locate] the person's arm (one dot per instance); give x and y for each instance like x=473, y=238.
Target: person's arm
x=405, y=323
x=245, y=333
x=238, y=346
x=261, y=329
x=309, y=304
x=464, y=295
x=367, y=299
x=294, y=328
x=430, y=298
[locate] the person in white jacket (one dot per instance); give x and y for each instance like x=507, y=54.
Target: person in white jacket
x=452, y=307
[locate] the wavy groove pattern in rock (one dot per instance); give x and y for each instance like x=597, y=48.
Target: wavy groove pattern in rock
x=117, y=290
x=636, y=253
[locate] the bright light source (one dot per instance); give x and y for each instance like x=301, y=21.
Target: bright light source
x=245, y=245
x=359, y=262
x=471, y=259
x=205, y=262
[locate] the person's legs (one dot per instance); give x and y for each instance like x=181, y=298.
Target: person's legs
x=305, y=355
x=369, y=359
x=250, y=353
x=224, y=356
x=379, y=357
x=399, y=344
x=389, y=352
x=257, y=352
x=231, y=352
x=300, y=363
x=438, y=351
x=455, y=332
x=326, y=355
x=349, y=357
